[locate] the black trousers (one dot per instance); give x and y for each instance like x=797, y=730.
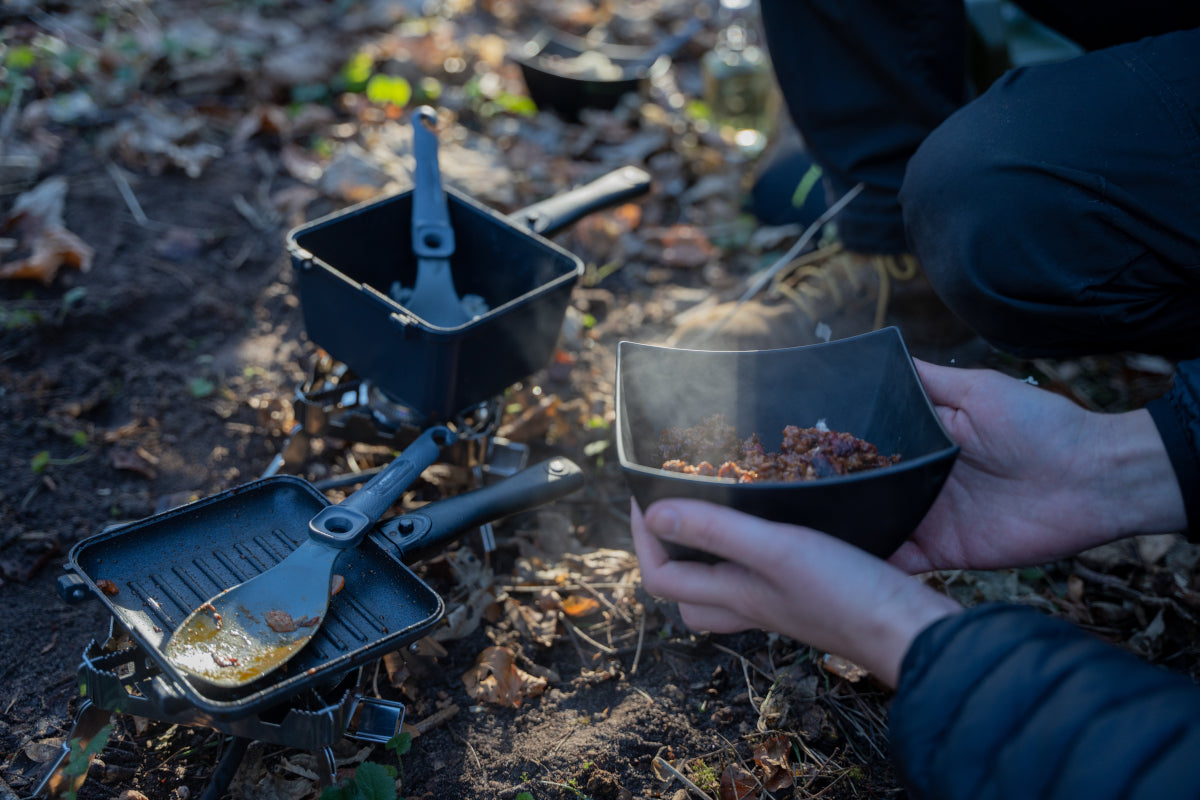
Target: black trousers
x=1056, y=213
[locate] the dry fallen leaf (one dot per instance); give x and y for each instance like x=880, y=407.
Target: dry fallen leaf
x=843, y=668
x=772, y=756
x=540, y=626
x=576, y=606
x=37, y=219
x=133, y=461
x=496, y=679
x=738, y=784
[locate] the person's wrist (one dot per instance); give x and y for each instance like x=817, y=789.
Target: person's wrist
x=910, y=610
x=1134, y=481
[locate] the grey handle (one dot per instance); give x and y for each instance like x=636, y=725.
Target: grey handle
x=432, y=235
x=556, y=213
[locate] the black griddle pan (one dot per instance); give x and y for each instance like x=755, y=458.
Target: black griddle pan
x=165, y=566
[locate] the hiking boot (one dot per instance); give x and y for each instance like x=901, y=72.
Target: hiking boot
x=830, y=293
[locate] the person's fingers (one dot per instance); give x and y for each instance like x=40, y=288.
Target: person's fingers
x=684, y=581
x=911, y=558
x=650, y=551
x=714, y=619
x=730, y=535
x=946, y=386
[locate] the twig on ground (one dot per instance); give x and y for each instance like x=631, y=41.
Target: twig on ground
x=637, y=656
x=745, y=661
x=471, y=748
x=127, y=194
x=660, y=762
x=574, y=640
x=1120, y=587
x=604, y=600
x=437, y=718
x=603, y=648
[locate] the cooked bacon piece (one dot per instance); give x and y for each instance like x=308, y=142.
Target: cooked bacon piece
x=280, y=621
x=107, y=586
x=806, y=454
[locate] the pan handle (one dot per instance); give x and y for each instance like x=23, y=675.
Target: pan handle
x=555, y=213
x=428, y=530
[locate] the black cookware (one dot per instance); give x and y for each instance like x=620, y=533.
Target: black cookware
x=865, y=385
x=347, y=264
x=567, y=73
x=152, y=573
x=254, y=627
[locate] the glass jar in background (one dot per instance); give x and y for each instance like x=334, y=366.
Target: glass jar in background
x=739, y=87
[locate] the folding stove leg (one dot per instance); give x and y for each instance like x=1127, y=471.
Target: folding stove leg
x=88, y=722
x=326, y=765
x=226, y=768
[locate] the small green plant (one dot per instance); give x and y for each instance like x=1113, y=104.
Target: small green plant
x=19, y=318
x=400, y=744
x=705, y=776
x=201, y=387
x=42, y=459
x=389, y=89
x=371, y=781
x=80, y=757
x=523, y=796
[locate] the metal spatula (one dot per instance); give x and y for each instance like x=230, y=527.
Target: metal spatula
x=433, y=297
x=255, y=627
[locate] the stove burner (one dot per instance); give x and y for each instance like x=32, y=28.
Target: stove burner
x=336, y=403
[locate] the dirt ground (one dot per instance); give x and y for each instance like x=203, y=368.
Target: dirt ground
x=165, y=372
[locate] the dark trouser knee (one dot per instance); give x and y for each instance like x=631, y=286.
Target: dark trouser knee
x=1056, y=239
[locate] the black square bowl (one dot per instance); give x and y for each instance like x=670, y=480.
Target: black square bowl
x=865, y=385
x=347, y=262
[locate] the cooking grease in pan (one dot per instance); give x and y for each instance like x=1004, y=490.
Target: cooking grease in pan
x=806, y=453
x=203, y=653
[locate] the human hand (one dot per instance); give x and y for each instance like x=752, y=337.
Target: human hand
x=1038, y=477
x=795, y=581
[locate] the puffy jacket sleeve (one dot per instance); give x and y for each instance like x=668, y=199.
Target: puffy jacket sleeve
x=1177, y=415
x=1002, y=701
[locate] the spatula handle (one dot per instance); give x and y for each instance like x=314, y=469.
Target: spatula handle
x=343, y=525
x=432, y=235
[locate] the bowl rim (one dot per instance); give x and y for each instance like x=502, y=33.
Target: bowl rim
x=630, y=58
x=907, y=465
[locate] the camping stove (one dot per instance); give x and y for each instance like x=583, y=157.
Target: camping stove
x=335, y=402
x=118, y=676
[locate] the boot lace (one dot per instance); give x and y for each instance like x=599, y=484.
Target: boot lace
x=822, y=273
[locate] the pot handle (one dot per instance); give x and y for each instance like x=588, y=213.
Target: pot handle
x=428, y=530
x=555, y=213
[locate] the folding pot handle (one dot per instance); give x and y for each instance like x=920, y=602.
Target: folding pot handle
x=555, y=213
x=428, y=530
